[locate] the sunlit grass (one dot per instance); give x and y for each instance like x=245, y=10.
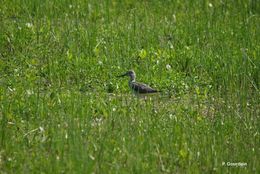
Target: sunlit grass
x=62, y=109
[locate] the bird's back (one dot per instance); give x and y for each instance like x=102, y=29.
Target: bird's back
x=141, y=88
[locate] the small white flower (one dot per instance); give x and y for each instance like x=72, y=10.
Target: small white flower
x=92, y=157
x=29, y=25
x=100, y=62
x=168, y=67
x=97, y=122
x=41, y=129
x=29, y=92
x=210, y=5
x=70, y=6
x=114, y=109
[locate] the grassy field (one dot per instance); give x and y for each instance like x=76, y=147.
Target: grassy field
x=62, y=109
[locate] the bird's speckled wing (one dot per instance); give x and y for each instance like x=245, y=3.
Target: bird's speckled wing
x=142, y=88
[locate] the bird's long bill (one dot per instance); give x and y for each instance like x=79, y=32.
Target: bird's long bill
x=122, y=75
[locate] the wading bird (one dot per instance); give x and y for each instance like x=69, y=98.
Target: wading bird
x=138, y=88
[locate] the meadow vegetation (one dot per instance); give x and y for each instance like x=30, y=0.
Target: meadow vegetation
x=62, y=109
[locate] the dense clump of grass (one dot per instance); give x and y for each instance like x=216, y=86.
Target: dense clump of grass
x=63, y=111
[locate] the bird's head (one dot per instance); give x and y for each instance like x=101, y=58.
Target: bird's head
x=129, y=73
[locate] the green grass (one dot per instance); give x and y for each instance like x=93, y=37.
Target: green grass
x=62, y=109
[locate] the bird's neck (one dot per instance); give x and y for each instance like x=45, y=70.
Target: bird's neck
x=132, y=79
